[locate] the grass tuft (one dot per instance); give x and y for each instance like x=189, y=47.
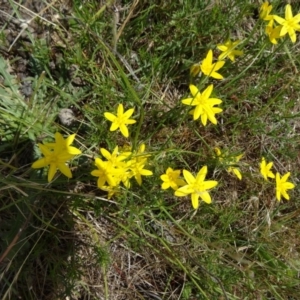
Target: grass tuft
x=70, y=239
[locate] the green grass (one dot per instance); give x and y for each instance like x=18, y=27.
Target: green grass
x=67, y=239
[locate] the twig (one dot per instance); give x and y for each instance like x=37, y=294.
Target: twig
x=15, y=239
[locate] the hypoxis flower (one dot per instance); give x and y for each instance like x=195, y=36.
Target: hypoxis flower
x=282, y=185
x=138, y=171
x=228, y=49
x=106, y=173
x=289, y=24
x=120, y=120
x=197, y=187
x=120, y=167
x=273, y=32
x=231, y=162
x=264, y=12
x=209, y=68
x=195, y=70
x=204, y=105
x=265, y=169
x=137, y=163
x=112, y=170
x=171, y=179
x=56, y=155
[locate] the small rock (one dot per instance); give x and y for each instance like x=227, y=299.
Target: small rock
x=66, y=116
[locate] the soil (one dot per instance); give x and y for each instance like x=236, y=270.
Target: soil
x=21, y=26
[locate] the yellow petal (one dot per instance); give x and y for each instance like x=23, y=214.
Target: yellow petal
x=73, y=150
x=51, y=172
x=209, y=56
x=120, y=110
x=96, y=173
x=207, y=92
x=105, y=153
x=64, y=169
x=183, y=191
x=189, y=101
x=205, y=196
x=201, y=174
x=114, y=127
x=218, y=65
x=165, y=185
x=288, y=12
x=130, y=121
x=189, y=178
x=70, y=139
x=145, y=172
x=222, y=47
x=194, y=90
x=41, y=163
x=216, y=75
x=109, y=116
x=128, y=113
x=164, y=177
x=207, y=185
x=237, y=173
x=204, y=119
x=195, y=200
x=124, y=130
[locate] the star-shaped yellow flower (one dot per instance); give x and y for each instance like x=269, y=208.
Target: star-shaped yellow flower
x=289, y=24
x=106, y=173
x=204, y=105
x=120, y=120
x=228, y=49
x=273, y=32
x=282, y=185
x=137, y=170
x=197, y=187
x=210, y=69
x=265, y=169
x=56, y=155
x=171, y=179
x=265, y=10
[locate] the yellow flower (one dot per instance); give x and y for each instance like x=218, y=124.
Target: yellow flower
x=120, y=167
x=112, y=171
x=228, y=49
x=235, y=171
x=204, y=105
x=120, y=120
x=137, y=163
x=137, y=169
x=231, y=162
x=106, y=173
x=197, y=187
x=195, y=70
x=55, y=155
x=265, y=169
x=210, y=69
x=289, y=24
x=111, y=190
x=282, y=185
x=171, y=179
x=265, y=10
x=273, y=32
